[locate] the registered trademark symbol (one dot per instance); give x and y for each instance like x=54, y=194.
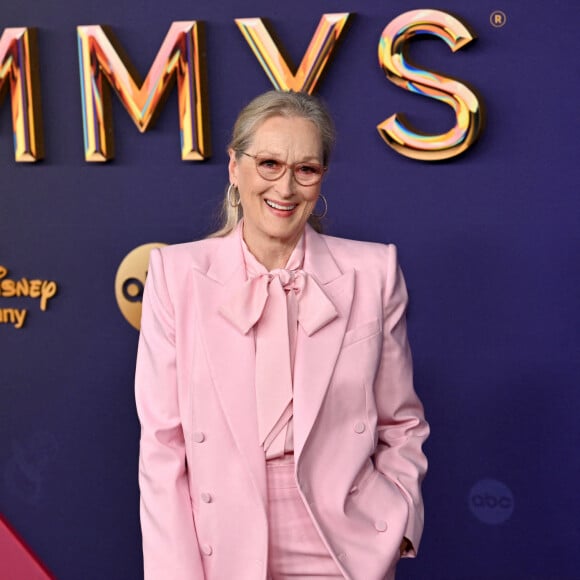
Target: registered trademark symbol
x=497, y=18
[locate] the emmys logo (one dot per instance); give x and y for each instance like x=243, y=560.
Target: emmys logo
x=130, y=282
x=182, y=58
x=491, y=501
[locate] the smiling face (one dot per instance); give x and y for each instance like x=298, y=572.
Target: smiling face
x=276, y=212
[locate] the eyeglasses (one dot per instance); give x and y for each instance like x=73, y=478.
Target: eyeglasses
x=271, y=169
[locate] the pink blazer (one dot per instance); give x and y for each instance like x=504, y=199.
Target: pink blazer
x=358, y=424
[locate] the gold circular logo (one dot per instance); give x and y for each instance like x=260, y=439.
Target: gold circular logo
x=498, y=18
x=130, y=282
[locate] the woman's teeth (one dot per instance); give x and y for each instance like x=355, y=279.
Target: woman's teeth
x=275, y=205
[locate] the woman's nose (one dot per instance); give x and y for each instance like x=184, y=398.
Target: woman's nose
x=286, y=183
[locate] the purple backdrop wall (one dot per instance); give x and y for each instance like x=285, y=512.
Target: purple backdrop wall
x=489, y=242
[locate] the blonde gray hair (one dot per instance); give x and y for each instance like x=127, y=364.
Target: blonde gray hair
x=275, y=104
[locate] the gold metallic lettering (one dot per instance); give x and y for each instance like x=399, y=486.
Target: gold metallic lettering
x=20, y=316
x=47, y=291
x=19, y=69
x=8, y=288
x=181, y=56
x=13, y=316
x=43, y=289
x=22, y=287
x=315, y=58
x=34, y=288
x=396, y=130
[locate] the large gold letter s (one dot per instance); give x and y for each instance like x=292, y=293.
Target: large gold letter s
x=396, y=131
x=181, y=55
x=19, y=68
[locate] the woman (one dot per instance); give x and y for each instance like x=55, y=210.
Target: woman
x=281, y=435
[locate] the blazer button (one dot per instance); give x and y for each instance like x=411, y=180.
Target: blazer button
x=206, y=497
x=381, y=526
x=199, y=437
x=206, y=549
x=341, y=556
x=359, y=427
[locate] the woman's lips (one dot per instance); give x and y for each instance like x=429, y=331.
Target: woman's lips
x=287, y=207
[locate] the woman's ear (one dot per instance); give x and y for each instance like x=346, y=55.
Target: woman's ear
x=233, y=167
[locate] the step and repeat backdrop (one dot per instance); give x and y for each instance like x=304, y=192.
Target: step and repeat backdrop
x=457, y=140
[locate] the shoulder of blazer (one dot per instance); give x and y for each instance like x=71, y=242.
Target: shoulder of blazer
x=362, y=255
x=196, y=254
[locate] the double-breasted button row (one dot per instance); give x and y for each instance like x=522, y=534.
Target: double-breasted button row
x=206, y=497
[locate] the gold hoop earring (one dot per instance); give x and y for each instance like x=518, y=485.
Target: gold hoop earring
x=231, y=188
x=325, y=211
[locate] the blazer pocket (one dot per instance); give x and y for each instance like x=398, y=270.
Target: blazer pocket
x=361, y=332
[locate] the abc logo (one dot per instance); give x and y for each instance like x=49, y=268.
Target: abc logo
x=491, y=501
x=130, y=282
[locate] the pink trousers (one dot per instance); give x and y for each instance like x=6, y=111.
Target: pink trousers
x=295, y=549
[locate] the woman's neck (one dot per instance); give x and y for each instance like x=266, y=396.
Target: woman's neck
x=271, y=257
x=272, y=253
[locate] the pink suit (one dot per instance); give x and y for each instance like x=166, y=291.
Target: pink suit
x=358, y=424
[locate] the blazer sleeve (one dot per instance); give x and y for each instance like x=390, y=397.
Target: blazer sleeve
x=402, y=428
x=170, y=546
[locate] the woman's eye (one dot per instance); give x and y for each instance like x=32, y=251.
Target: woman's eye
x=308, y=169
x=270, y=164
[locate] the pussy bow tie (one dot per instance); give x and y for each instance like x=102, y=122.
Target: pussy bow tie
x=277, y=299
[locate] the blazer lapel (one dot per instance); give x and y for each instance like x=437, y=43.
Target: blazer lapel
x=316, y=355
x=231, y=354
